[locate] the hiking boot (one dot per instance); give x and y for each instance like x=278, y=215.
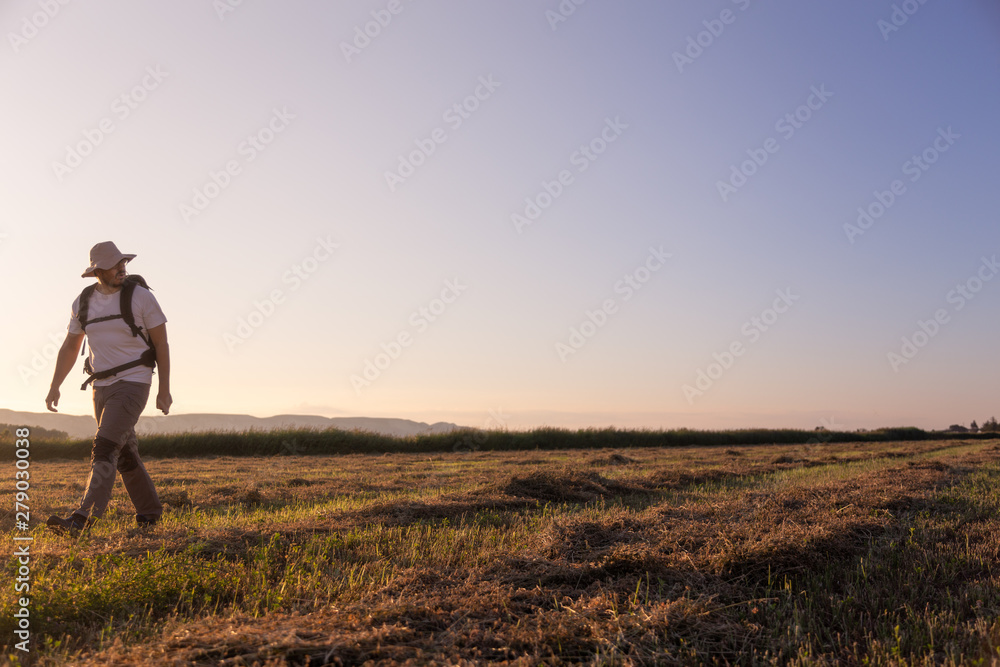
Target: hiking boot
x=72, y=524
x=146, y=521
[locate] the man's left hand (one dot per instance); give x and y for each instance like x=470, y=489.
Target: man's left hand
x=163, y=401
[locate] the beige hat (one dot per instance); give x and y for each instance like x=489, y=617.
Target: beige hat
x=104, y=256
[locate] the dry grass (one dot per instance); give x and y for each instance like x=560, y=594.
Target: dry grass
x=837, y=553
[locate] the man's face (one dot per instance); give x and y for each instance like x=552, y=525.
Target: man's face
x=113, y=277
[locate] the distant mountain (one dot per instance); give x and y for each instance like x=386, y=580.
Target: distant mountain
x=79, y=426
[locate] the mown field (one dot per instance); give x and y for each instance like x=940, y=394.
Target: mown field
x=883, y=553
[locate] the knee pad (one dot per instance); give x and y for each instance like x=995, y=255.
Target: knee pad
x=126, y=460
x=103, y=450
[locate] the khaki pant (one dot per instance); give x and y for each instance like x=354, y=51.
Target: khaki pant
x=117, y=407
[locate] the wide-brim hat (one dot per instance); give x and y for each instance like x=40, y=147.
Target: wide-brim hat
x=104, y=255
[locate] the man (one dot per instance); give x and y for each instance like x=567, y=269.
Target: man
x=119, y=398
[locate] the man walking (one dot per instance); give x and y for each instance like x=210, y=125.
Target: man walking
x=125, y=337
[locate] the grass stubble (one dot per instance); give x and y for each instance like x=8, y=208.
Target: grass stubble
x=874, y=553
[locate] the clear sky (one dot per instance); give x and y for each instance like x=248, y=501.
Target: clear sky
x=638, y=214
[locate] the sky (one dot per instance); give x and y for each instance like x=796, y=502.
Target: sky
x=575, y=213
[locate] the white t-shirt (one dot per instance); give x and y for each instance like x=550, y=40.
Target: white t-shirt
x=111, y=342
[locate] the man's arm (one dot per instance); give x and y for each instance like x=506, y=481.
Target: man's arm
x=158, y=335
x=64, y=364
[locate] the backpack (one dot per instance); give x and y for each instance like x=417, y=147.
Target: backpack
x=148, y=357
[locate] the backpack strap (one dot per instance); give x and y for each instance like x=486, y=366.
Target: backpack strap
x=84, y=306
x=82, y=309
x=148, y=358
x=128, y=289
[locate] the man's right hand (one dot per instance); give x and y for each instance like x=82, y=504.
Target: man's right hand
x=52, y=399
x=64, y=362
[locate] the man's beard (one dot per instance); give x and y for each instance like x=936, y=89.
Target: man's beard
x=115, y=280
